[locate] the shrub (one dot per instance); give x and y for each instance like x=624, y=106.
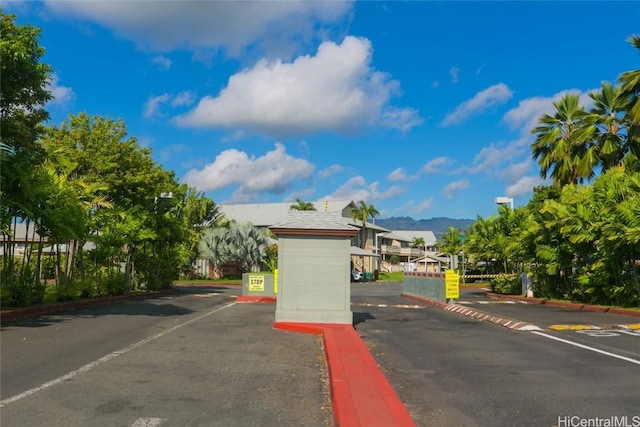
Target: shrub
x=506, y=284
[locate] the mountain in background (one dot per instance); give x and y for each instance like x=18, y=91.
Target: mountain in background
x=437, y=225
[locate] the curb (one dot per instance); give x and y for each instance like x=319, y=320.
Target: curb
x=512, y=324
x=254, y=299
x=361, y=396
x=571, y=305
x=24, y=313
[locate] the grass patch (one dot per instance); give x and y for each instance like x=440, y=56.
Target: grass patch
x=396, y=276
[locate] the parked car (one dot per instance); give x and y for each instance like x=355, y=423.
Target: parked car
x=356, y=275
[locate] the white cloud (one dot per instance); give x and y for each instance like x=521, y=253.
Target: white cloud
x=529, y=111
x=493, y=95
x=490, y=159
x=162, y=62
x=357, y=188
x=153, y=104
x=454, y=72
x=515, y=171
x=61, y=94
x=435, y=84
x=335, y=90
x=434, y=165
x=399, y=174
x=415, y=209
x=276, y=26
x=523, y=186
x=453, y=187
x=275, y=172
x=182, y=99
x=331, y=170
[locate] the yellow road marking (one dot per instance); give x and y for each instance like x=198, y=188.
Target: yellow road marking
x=572, y=327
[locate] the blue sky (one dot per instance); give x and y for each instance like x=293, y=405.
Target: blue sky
x=423, y=109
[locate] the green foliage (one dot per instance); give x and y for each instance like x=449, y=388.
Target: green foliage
x=241, y=244
x=362, y=212
x=451, y=244
x=396, y=276
x=394, y=259
x=271, y=259
x=19, y=290
x=581, y=237
x=302, y=206
x=506, y=284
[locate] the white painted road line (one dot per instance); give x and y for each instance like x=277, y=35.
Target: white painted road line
x=148, y=422
x=107, y=358
x=586, y=347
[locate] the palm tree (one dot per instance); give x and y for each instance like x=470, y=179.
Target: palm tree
x=361, y=213
x=606, y=125
x=560, y=142
x=302, y=206
x=418, y=242
x=630, y=89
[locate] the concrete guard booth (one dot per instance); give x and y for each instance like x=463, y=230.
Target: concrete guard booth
x=314, y=261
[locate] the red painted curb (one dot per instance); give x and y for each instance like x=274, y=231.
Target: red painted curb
x=255, y=299
x=22, y=313
x=568, y=304
x=360, y=393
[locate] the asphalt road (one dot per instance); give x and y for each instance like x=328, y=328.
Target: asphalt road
x=195, y=359
x=198, y=359
x=451, y=370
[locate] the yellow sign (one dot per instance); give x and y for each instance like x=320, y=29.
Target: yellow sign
x=256, y=283
x=451, y=285
x=275, y=281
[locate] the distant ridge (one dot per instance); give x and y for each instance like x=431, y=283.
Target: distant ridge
x=437, y=225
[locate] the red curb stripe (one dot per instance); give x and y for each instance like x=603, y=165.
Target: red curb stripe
x=360, y=393
x=255, y=299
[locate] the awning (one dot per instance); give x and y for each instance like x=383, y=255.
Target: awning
x=361, y=252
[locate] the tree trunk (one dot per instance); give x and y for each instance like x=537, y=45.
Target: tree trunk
x=71, y=252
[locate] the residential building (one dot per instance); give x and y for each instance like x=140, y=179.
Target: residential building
x=372, y=249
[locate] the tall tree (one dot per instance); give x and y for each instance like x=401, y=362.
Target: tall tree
x=630, y=90
x=561, y=142
x=606, y=126
x=23, y=94
x=362, y=212
x=24, y=86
